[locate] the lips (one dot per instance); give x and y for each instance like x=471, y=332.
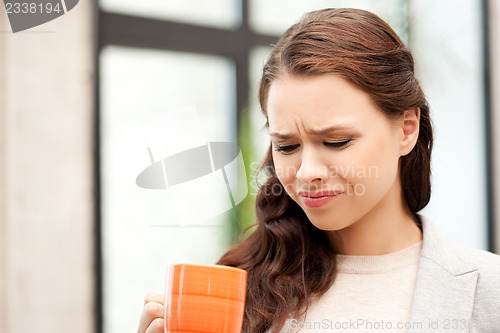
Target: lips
x=319, y=194
x=318, y=199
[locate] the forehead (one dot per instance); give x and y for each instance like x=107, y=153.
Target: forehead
x=316, y=102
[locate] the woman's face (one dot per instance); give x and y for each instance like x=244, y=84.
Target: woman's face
x=331, y=142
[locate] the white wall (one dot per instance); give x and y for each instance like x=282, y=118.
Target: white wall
x=46, y=204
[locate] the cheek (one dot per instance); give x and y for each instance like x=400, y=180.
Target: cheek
x=278, y=166
x=285, y=168
x=375, y=168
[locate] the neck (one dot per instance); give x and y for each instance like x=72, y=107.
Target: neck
x=387, y=228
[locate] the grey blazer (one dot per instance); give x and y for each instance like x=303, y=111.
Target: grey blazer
x=457, y=288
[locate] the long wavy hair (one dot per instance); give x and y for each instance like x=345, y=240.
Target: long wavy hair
x=288, y=260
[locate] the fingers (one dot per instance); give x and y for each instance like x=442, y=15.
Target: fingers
x=153, y=297
x=152, y=315
x=156, y=326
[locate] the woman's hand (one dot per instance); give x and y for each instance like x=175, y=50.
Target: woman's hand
x=152, y=314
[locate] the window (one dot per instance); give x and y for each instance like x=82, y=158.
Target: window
x=143, y=230
x=156, y=57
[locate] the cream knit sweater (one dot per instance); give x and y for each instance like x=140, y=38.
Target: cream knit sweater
x=370, y=294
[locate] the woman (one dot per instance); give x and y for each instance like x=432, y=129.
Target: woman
x=339, y=243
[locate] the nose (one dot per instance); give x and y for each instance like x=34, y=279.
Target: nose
x=311, y=168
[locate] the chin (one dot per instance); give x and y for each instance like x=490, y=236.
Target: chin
x=329, y=225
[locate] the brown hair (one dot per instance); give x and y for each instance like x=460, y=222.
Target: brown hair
x=288, y=260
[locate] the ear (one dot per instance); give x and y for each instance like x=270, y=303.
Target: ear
x=410, y=125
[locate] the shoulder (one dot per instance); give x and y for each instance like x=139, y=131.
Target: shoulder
x=458, y=259
x=488, y=267
x=486, y=310
x=463, y=262
x=486, y=262
x=454, y=255
x=463, y=275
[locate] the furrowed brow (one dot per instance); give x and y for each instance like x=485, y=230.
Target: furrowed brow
x=311, y=132
x=326, y=130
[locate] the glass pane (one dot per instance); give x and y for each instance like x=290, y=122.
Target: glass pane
x=263, y=16
x=217, y=13
x=260, y=140
x=253, y=136
x=446, y=43
x=143, y=230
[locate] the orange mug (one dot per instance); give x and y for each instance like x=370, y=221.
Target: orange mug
x=204, y=298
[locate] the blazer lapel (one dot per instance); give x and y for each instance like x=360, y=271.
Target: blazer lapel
x=445, y=287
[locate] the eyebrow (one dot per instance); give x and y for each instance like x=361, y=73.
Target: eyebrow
x=310, y=132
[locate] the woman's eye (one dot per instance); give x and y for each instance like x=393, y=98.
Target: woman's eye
x=339, y=144
x=286, y=149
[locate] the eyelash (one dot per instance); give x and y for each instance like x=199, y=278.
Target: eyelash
x=335, y=145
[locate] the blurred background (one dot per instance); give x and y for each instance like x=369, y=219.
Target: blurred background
x=81, y=244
